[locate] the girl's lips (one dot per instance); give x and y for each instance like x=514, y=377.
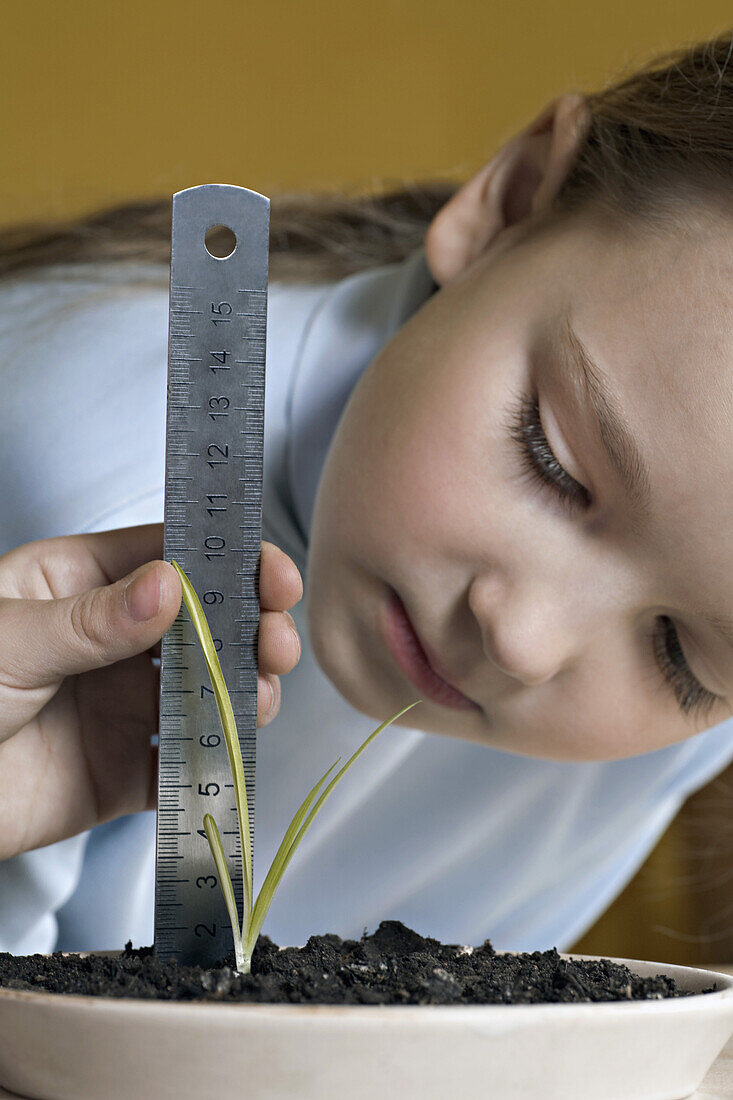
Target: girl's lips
x=407, y=650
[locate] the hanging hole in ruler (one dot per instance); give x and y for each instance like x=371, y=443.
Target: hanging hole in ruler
x=220, y=242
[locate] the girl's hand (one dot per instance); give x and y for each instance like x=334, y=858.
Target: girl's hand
x=80, y=617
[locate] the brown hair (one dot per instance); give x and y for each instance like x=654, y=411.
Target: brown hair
x=313, y=238
x=660, y=134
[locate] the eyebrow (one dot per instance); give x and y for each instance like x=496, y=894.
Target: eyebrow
x=620, y=446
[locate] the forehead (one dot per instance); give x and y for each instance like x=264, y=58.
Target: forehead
x=655, y=311
x=663, y=304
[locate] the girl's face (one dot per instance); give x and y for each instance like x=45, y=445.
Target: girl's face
x=575, y=612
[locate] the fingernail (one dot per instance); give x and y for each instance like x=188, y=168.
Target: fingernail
x=142, y=595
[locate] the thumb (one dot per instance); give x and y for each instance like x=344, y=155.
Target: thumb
x=58, y=638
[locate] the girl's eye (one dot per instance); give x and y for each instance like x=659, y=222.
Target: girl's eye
x=525, y=427
x=691, y=696
x=539, y=461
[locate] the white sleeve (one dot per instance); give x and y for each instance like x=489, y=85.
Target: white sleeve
x=82, y=422
x=82, y=448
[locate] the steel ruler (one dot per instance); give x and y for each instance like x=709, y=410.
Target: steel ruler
x=213, y=524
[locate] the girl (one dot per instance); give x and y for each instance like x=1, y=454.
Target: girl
x=498, y=453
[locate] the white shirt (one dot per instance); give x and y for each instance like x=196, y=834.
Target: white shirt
x=460, y=841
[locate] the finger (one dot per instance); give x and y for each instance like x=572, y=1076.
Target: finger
x=281, y=585
x=268, y=698
x=122, y=550
x=152, y=799
x=67, y=565
x=278, y=643
x=58, y=638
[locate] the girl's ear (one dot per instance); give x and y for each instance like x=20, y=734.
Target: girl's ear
x=519, y=182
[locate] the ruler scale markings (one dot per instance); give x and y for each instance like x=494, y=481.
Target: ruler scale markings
x=209, y=330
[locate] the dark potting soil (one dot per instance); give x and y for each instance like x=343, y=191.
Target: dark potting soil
x=392, y=966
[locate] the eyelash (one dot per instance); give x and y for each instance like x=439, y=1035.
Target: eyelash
x=540, y=463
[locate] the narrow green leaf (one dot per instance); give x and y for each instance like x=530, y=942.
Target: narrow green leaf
x=274, y=875
x=258, y=915
x=217, y=850
x=229, y=727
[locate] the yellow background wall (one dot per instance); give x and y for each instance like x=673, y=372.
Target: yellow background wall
x=105, y=101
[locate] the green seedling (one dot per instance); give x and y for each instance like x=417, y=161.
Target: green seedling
x=254, y=913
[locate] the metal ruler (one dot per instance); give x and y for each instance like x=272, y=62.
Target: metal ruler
x=213, y=524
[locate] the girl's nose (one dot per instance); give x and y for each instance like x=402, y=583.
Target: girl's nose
x=526, y=631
